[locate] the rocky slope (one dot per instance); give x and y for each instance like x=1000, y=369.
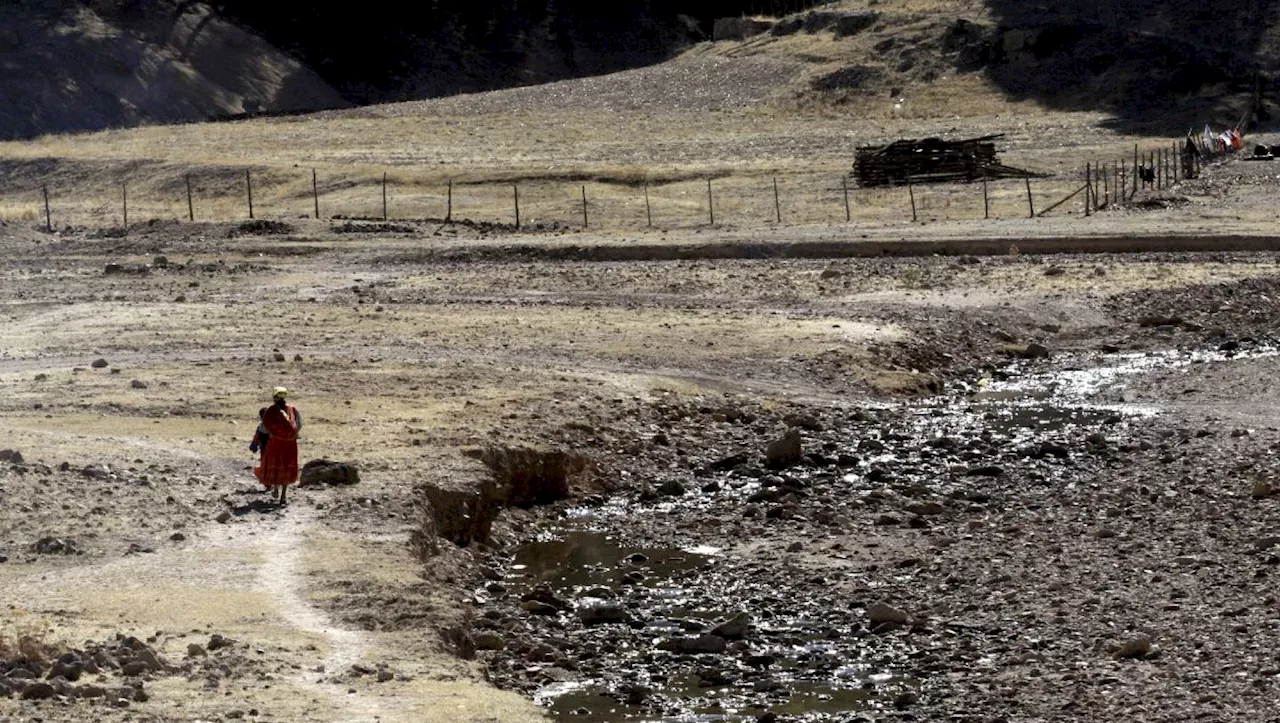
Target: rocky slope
x=77, y=67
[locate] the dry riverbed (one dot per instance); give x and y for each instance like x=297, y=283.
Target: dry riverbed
x=1018, y=487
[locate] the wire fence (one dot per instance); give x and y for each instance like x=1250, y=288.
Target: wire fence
x=592, y=202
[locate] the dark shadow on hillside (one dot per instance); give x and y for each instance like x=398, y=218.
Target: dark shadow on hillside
x=1158, y=66
x=59, y=72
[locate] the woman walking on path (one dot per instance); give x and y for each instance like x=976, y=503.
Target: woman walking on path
x=277, y=437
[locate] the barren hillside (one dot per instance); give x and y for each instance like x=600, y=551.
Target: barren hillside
x=76, y=67
x=1154, y=66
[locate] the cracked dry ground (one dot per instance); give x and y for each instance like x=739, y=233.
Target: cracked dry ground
x=328, y=613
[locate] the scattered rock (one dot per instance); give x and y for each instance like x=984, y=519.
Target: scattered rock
x=138, y=384
x=701, y=644
x=602, y=613
x=671, y=488
x=1135, y=648
x=56, y=546
x=805, y=421
x=880, y=613
x=1035, y=351
x=38, y=690
x=786, y=450
x=1266, y=543
x=735, y=628
x=537, y=607
x=100, y=363
x=224, y=517
x=1261, y=489
x=488, y=640
x=10, y=455
x=733, y=460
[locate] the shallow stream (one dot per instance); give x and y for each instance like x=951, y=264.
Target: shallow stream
x=673, y=568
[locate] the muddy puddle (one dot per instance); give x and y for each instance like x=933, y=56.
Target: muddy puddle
x=746, y=593
x=573, y=560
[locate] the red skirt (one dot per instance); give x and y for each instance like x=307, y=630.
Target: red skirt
x=279, y=465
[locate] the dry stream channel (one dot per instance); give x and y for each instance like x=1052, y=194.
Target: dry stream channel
x=757, y=593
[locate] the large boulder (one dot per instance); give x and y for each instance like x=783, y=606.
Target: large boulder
x=784, y=451
x=328, y=472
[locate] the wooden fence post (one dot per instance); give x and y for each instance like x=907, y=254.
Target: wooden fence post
x=711, y=203
x=648, y=210
x=315, y=192
x=585, y=224
x=911, y=193
x=1136, y=174
x=124, y=207
x=777, y=204
x=986, y=200
x=844, y=186
x=515, y=192
x=1088, y=189
x=248, y=184
x=191, y=208
x=448, y=209
x=384, y=195
x=48, y=217
x=1030, y=204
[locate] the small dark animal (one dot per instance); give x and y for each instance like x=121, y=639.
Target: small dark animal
x=1147, y=174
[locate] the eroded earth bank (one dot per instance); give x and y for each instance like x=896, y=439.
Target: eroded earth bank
x=948, y=488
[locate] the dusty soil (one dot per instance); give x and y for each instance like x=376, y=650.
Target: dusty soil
x=1023, y=535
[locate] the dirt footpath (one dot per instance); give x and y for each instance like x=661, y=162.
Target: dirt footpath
x=120, y=470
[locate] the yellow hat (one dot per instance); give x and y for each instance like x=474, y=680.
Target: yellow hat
x=280, y=393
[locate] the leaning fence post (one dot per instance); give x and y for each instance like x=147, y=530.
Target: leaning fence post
x=191, y=209
x=515, y=192
x=711, y=203
x=384, y=195
x=1030, y=204
x=911, y=193
x=585, y=224
x=248, y=184
x=124, y=207
x=448, y=209
x=844, y=186
x=648, y=210
x=48, y=217
x=315, y=192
